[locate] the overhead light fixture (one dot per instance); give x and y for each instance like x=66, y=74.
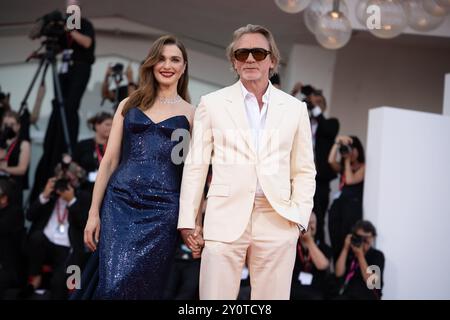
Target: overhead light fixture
x=328, y=19
x=292, y=6
x=419, y=19
x=333, y=29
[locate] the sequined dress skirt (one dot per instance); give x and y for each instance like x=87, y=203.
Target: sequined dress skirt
x=139, y=214
x=138, y=236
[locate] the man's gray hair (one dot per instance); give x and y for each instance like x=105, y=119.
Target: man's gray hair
x=251, y=28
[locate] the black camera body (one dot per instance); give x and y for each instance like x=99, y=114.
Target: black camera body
x=117, y=68
x=117, y=72
x=50, y=25
x=344, y=149
x=63, y=181
x=356, y=240
x=6, y=134
x=62, y=184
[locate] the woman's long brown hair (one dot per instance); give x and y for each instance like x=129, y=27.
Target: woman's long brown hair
x=144, y=97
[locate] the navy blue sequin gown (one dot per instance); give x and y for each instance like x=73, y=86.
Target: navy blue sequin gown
x=139, y=213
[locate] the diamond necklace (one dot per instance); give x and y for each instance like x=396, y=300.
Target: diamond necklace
x=173, y=100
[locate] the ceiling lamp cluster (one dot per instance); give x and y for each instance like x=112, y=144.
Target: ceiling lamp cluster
x=385, y=19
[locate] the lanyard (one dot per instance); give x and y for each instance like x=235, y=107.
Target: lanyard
x=351, y=272
x=99, y=154
x=10, y=150
x=61, y=217
x=349, y=276
x=342, y=182
x=306, y=261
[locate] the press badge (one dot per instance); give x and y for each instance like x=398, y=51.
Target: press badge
x=66, y=60
x=92, y=176
x=305, y=278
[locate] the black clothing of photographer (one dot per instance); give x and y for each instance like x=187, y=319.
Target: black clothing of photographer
x=183, y=282
x=311, y=268
x=14, y=155
x=89, y=153
x=77, y=57
x=121, y=87
x=58, y=219
x=346, y=208
x=12, y=232
x=324, y=131
x=351, y=267
x=75, y=72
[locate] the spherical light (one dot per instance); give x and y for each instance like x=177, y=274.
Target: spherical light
x=318, y=8
x=333, y=30
x=419, y=19
x=292, y=6
x=393, y=19
x=360, y=12
x=444, y=3
x=435, y=9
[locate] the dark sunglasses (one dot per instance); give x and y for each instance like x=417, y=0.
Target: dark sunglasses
x=259, y=54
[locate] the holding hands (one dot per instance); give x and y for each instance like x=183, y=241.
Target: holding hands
x=193, y=238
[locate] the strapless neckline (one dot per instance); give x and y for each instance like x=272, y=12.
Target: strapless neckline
x=162, y=121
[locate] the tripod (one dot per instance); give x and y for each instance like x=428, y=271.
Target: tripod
x=48, y=58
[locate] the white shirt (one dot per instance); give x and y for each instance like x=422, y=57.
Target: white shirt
x=50, y=230
x=314, y=113
x=256, y=119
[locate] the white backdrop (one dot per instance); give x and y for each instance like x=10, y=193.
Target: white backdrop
x=407, y=197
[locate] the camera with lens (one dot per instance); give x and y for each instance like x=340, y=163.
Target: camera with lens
x=117, y=72
x=69, y=172
x=6, y=134
x=117, y=68
x=50, y=25
x=62, y=184
x=356, y=240
x=344, y=149
x=307, y=91
x=63, y=181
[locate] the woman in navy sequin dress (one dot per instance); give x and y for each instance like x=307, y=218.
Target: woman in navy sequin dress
x=134, y=210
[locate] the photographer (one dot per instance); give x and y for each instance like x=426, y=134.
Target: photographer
x=356, y=256
x=120, y=89
x=58, y=219
x=324, y=132
x=89, y=153
x=309, y=280
x=14, y=154
x=77, y=57
x=346, y=209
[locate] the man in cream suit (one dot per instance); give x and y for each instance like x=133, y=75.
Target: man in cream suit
x=258, y=140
